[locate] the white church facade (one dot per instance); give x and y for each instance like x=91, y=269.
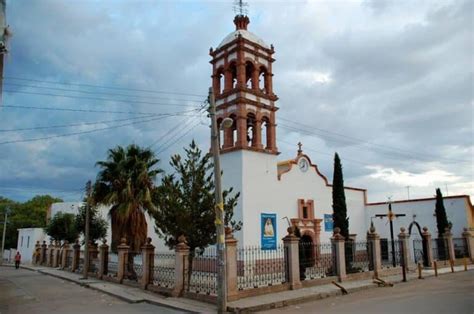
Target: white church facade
x=274, y=194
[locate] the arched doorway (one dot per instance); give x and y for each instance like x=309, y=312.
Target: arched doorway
x=420, y=247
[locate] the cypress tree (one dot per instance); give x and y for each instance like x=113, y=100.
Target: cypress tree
x=441, y=218
x=339, y=199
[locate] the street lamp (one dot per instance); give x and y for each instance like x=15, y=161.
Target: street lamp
x=219, y=210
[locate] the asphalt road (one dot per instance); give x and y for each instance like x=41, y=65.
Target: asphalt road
x=24, y=291
x=450, y=293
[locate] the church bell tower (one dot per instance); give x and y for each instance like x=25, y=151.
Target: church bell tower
x=242, y=84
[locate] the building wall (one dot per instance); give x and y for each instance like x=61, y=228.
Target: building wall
x=27, y=238
x=262, y=192
x=458, y=210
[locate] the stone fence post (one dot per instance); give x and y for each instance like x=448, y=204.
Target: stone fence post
x=292, y=259
x=404, y=237
x=123, y=251
x=337, y=241
x=56, y=250
x=43, y=253
x=49, y=257
x=181, y=267
x=231, y=263
x=76, y=253
x=37, y=253
x=148, y=260
x=104, y=259
x=448, y=236
x=469, y=242
x=427, y=247
x=66, y=252
x=373, y=240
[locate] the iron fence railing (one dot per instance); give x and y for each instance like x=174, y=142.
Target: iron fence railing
x=316, y=260
x=440, y=249
x=112, y=265
x=357, y=256
x=203, y=276
x=259, y=268
x=460, y=247
x=391, y=253
x=163, y=270
x=418, y=251
x=69, y=261
x=136, y=272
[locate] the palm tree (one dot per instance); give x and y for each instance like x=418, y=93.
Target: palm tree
x=125, y=182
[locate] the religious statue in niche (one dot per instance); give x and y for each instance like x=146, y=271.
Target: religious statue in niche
x=268, y=230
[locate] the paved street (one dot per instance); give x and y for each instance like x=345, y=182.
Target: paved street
x=452, y=293
x=24, y=291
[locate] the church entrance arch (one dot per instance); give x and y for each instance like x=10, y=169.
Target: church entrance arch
x=420, y=247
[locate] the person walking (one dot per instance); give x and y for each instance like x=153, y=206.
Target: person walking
x=17, y=260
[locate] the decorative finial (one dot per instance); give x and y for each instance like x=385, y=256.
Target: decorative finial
x=300, y=151
x=372, y=227
x=148, y=240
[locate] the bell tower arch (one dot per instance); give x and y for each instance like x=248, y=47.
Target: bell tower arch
x=243, y=88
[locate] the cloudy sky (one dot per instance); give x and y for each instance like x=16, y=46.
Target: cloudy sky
x=386, y=84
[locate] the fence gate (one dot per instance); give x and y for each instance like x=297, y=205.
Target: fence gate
x=419, y=252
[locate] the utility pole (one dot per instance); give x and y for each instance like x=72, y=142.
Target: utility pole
x=86, y=231
x=4, y=34
x=4, y=233
x=219, y=210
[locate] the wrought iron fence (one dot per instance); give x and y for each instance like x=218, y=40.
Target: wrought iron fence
x=112, y=265
x=460, y=247
x=316, y=260
x=69, y=260
x=418, y=251
x=391, y=253
x=94, y=264
x=203, y=278
x=259, y=268
x=137, y=267
x=440, y=249
x=357, y=256
x=163, y=270
x=80, y=266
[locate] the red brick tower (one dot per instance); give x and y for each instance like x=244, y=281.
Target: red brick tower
x=242, y=83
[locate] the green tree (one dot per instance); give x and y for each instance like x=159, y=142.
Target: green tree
x=441, y=218
x=125, y=182
x=30, y=214
x=185, y=202
x=62, y=227
x=339, y=199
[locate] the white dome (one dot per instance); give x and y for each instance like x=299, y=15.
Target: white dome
x=245, y=34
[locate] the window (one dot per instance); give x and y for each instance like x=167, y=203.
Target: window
x=305, y=212
x=28, y=242
x=21, y=241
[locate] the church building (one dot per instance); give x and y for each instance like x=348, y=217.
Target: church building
x=274, y=194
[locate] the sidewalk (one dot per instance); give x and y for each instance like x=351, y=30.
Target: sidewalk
x=127, y=293
x=251, y=304
x=285, y=298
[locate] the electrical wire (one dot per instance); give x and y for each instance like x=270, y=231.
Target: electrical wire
x=104, y=87
x=88, y=123
x=79, y=133
x=100, y=99
x=97, y=92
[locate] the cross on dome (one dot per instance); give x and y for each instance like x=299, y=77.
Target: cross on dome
x=300, y=151
x=240, y=7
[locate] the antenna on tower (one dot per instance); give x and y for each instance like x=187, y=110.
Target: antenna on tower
x=240, y=7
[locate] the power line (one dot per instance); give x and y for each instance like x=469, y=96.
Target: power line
x=348, y=139
x=85, y=123
x=100, y=99
x=79, y=133
x=324, y=153
x=178, y=139
x=104, y=87
x=79, y=110
x=98, y=92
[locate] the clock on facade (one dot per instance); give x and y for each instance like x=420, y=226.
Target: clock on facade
x=303, y=164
